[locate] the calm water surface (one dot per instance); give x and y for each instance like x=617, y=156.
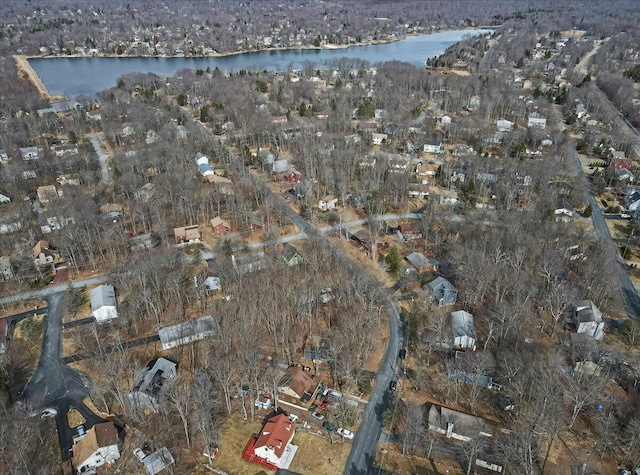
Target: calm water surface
x=75, y=76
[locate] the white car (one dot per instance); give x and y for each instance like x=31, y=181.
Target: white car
x=625, y=215
x=139, y=454
x=347, y=434
x=50, y=412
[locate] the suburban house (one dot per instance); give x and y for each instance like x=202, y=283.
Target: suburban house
x=127, y=129
x=426, y=169
x=6, y=270
x=212, y=283
x=563, y=212
x=186, y=332
x=99, y=446
x=455, y=424
x=246, y=263
x=409, y=231
x=417, y=190
x=30, y=153
x=537, y=122
x=327, y=203
x=158, y=461
x=442, y=291
x=279, y=119
x=280, y=166
x=46, y=194
x=146, y=192
x=504, y=125
x=181, y=132
x=151, y=384
x=142, y=242
x=419, y=261
x=298, y=384
x=432, y=147
x=43, y=254
x=65, y=149
x=152, y=137
x=377, y=139
x=290, y=255
x=272, y=448
x=589, y=319
x=293, y=176
x=103, y=303
x=220, y=226
x=187, y=234
x=585, y=354
x=463, y=330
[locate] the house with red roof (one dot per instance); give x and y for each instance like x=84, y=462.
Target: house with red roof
x=272, y=448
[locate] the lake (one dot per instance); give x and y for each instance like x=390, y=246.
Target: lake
x=72, y=77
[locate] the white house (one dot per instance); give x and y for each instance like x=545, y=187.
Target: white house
x=464, y=330
x=432, y=147
x=504, y=125
x=30, y=153
x=377, y=139
x=537, y=122
x=589, y=319
x=327, y=203
x=274, y=442
x=97, y=447
x=103, y=303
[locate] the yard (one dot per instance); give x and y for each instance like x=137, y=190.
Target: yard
x=315, y=456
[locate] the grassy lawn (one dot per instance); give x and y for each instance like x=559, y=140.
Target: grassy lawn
x=315, y=456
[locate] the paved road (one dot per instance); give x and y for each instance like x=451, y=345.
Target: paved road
x=54, y=384
x=627, y=289
x=102, y=157
x=53, y=289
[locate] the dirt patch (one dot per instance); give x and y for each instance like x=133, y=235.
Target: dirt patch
x=74, y=418
x=318, y=456
x=392, y=461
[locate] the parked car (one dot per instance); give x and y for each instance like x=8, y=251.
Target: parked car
x=347, y=434
x=402, y=353
x=625, y=215
x=313, y=407
x=139, y=454
x=329, y=426
x=293, y=418
x=50, y=412
x=317, y=415
x=393, y=385
x=81, y=430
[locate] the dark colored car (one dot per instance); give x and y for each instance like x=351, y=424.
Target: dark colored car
x=393, y=385
x=402, y=353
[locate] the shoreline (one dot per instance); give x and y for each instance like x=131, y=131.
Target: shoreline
x=234, y=53
x=26, y=71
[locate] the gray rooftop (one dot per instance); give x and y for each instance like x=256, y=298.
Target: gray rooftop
x=586, y=311
x=198, y=328
x=462, y=324
x=102, y=296
x=418, y=260
x=158, y=461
